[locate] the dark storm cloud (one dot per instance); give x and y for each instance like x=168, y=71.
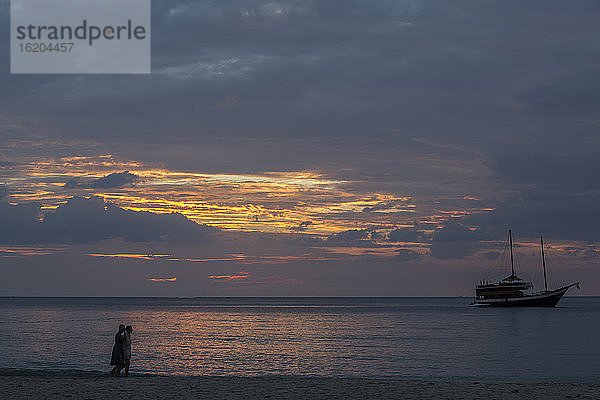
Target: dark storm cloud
x=555, y=214
x=20, y=223
x=572, y=168
x=557, y=210
x=332, y=68
x=555, y=186
x=82, y=220
x=576, y=95
x=455, y=230
x=455, y=240
x=89, y=219
x=114, y=180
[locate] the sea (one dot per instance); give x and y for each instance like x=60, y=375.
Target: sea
x=402, y=338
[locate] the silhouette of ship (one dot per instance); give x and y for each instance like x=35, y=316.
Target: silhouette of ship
x=513, y=291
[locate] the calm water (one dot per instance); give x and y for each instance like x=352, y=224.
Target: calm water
x=412, y=338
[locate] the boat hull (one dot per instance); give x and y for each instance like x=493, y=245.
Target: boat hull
x=544, y=299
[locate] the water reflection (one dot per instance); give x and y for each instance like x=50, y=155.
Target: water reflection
x=410, y=338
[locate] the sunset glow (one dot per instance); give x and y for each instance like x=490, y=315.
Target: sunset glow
x=318, y=149
x=273, y=202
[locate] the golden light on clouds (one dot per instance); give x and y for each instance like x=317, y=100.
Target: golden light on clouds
x=316, y=216
x=173, y=279
x=235, y=277
x=168, y=257
x=275, y=202
x=20, y=251
x=236, y=258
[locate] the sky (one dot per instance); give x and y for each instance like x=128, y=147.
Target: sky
x=310, y=148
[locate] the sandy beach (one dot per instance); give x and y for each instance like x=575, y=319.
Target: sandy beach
x=155, y=387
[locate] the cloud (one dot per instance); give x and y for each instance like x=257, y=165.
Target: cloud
x=89, y=219
x=569, y=166
x=237, y=276
x=455, y=240
x=302, y=226
x=114, y=180
x=384, y=205
x=434, y=101
x=407, y=255
x=19, y=223
x=3, y=192
x=576, y=95
x=82, y=220
x=449, y=250
x=330, y=69
x=352, y=236
x=454, y=231
x=555, y=214
x=162, y=280
x=405, y=235
x=228, y=102
x=555, y=210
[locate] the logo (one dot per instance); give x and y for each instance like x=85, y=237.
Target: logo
x=80, y=36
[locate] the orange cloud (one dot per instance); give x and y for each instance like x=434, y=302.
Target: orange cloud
x=28, y=251
x=162, y=279
x=236, y=277
x=133, y=256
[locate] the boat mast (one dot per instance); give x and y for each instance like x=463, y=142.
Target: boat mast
x=512, y=263
x=544, y=263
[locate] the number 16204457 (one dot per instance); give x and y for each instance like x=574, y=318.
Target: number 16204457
x=36, y=47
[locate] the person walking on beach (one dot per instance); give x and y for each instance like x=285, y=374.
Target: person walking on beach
x=127, y=348
x=118, y=353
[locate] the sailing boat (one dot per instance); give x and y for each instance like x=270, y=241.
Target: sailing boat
x=513, y=291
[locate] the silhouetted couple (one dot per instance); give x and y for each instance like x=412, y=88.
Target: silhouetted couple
x=121, y=353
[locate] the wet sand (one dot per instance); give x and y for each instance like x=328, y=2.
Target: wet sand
x=154, y=387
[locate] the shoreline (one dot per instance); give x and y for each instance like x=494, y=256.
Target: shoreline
x=66, y=297
x=79, y=373
x=47, y=385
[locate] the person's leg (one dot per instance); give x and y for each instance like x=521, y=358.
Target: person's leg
x=127, y=362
